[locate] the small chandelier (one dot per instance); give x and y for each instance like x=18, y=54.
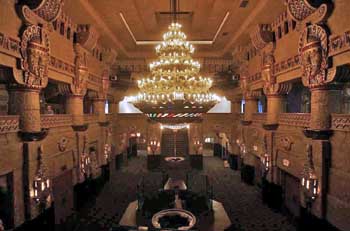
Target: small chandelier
x=175, y=83
x=309, y=181
x=41, y=191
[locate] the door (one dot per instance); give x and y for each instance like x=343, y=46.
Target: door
x=171, y=138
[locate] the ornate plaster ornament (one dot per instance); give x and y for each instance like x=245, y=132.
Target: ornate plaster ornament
x=286, y=143
x=313, y=51
x=303, y=12
x=261, y=35
x=81, y=74
x=87, y=36
x=62, y=144
x=35, y=52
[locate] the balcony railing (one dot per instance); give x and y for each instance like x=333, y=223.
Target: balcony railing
x=259, y=117
x=295, y=119
x=52, y=121
x=9, y=123
x=341, y=122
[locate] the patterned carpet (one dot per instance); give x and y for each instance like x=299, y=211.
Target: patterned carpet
x=242, y=202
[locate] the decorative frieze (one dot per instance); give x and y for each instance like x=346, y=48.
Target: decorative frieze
x=287, y=65
x=341, y=122
x=255, y=77
x=339, y=43
x=52, y=121
x=10, y=44
x=295, y=119
x=94, y=78
x=61, y=65
x=9, y=124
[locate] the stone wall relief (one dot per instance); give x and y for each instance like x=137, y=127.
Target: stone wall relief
x=62, y=143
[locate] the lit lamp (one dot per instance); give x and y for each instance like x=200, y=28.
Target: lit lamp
x=265, y=158
x=107, y=152
x=309, y=181
x=154, y=145
x=84, y=164
x=197, y=145
x=41, y=191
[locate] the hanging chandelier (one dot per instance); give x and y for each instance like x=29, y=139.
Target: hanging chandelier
x=175, y=83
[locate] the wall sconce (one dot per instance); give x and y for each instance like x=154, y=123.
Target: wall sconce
x=197, y=145
x=107, y=152
x=85, y=164
x=309, y=181
x=41, y=188
x=265, y=158
x=154, y=145
x=243, y=150
x=138, y=134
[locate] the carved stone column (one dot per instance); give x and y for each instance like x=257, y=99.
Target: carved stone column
x=25, y=102
x=276, y=95
x=251, y=105
x=27, y=83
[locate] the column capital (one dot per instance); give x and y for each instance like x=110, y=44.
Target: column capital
x=277, y=89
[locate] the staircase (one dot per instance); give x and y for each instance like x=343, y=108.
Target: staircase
x=167, y=145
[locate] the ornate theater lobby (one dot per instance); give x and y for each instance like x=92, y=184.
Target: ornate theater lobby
x=165, y=115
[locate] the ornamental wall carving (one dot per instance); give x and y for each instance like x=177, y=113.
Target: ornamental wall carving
x=261, y=36
x=9, y=124
x=9, y=44
x=313, y=51
x=87, y=36
x=51, y=121
x=48, y=10
x=78, y=86
x=341, y=122
x=299, y=9
x=294, y=119
x=35, y=57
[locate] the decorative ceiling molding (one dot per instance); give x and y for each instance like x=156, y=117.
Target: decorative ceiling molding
x=155, y=42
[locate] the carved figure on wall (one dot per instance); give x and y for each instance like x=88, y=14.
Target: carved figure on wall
x=35, y=52
x=286, y=143
x=62, y=144
x=313, y=51
x=81, y=73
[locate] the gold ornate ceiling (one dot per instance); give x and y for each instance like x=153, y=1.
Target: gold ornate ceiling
x=123, y=24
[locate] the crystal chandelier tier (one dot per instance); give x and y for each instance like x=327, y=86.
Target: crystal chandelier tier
x=174, y=83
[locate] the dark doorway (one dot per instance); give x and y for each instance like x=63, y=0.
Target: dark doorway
x=169, y=139
x=6, y=200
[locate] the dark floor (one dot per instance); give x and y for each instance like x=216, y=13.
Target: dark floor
x=242, y=202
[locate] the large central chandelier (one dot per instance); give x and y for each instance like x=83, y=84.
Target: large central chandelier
x=175, y=83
